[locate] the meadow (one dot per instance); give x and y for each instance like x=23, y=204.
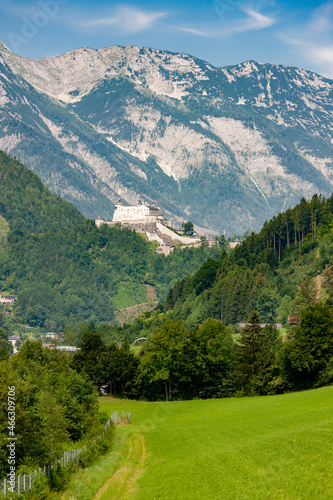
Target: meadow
x=272, y=447
x=4, y=230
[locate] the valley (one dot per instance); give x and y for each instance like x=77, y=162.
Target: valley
x=166, y=272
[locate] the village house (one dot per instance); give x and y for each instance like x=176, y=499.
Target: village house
x=51, y=335
x=7, y=299
x=278, y=326
x=13, y=339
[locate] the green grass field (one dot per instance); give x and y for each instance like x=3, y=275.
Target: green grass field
x=136, y=349
x=275, y=447
x=129, y=294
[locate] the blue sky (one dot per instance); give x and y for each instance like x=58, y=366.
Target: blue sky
x=222, y=32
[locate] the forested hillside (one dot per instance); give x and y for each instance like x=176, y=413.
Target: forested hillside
x=266, y=272
x=26, y=204
x=62, y=268
x=275, y=272
x=285, y=270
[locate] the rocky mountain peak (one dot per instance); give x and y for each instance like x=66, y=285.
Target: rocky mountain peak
x=135, y=122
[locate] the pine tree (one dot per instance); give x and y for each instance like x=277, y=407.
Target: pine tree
x=253, y=357
x=306, y=295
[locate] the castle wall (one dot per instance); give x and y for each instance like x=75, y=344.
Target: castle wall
x=126, y=213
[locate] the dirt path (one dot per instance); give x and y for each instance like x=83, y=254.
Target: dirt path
x=122, y=483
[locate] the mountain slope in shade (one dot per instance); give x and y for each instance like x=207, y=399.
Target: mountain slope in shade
x=224, y=147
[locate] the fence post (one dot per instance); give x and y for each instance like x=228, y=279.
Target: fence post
x=23, y=482
x=18, y=484
x=29, y=481
x=4, y=487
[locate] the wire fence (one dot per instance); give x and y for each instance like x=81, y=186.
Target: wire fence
x=24, y=482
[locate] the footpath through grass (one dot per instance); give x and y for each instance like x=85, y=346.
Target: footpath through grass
x=276, y=447
x=86, y=483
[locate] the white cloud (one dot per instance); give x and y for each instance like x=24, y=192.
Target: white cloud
x=126, y=19
x=254, y=21
x=313, y=42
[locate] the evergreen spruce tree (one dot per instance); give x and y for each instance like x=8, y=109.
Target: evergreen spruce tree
x=253, y=357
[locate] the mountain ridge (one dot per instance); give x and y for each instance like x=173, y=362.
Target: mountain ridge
x=132, y=122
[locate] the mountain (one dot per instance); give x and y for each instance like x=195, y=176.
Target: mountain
x=129, y=122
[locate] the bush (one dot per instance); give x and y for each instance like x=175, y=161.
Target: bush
x=97, y=448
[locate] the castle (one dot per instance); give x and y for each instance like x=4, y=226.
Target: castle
x=148, y=220
x=141, y=217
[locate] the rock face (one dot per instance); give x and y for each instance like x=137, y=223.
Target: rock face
x=224, y=147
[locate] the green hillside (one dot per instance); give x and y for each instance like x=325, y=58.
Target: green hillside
x=4, y=230
x=63, y=269
x=284, y=271
x=248, y=448
x=26, y=204
x=262, y=273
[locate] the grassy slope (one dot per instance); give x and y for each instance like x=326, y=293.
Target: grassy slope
x=251, y=448
x=4, y=230
x=86, y=483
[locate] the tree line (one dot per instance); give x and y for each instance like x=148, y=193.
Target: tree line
x=211, y=361
x=55, y=406
x=263, y=273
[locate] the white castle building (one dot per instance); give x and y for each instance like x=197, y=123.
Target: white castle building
x=133, y=216
x=148, y=220
x=139, y=212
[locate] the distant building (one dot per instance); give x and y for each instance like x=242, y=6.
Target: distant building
x=13, y=339
x=212, y=241
x=137, y=212
x=68, y=348
x=179, y=230
x=165, y=249
x=141, y=216
x=100, y=221
x=7, y=299
x=293, y=320
x=234, y=244
x=51, y=335
x=278, y=326
x=48, y=346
